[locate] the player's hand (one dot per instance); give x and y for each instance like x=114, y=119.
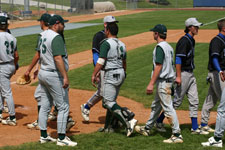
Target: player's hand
x=65, y=83
x=93, y=81
x=27, y=75
x=35, y=74
x=178, y=81
x=222, y=76
x=149, y=89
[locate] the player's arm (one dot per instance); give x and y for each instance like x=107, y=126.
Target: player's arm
x=215, y=53
x=97, y=68
x=180, y=55
x=159, y=63
x=16, y=59
x=61, y=67
x=178, y=70
x=96, y=46
x=58, y=51
x=104, y=48
x=125, y=61
x=33, y=63
x=34, y=60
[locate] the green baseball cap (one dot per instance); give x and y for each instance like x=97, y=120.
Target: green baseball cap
x=45, y=17
x=57, y=19
x=3, y=20
x=160, y=28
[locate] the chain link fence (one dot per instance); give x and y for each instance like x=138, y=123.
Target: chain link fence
x=34, y=8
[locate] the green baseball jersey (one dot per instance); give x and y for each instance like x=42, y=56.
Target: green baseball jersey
x=114, y=51
x=52, y=44
x=167, y=70
x=7, y=47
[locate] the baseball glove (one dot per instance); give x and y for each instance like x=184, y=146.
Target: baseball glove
x=22, y=80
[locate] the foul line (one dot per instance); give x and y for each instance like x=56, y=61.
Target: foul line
x=213, y=21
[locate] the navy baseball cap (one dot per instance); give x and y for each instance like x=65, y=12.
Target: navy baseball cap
x=3, y=20
x=57, y=19
x=45, y=17
x=160, y=28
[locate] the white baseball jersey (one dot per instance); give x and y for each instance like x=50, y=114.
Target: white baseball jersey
x=167, y=70
x=116, y=54
x=7, y=47
x=46, y=57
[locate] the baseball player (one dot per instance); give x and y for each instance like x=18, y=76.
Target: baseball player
x=8, y=59
x=97, y=96
x=216, y=66
x=185, y=79
x=163, y=76
x=44, y=26
x=54, y=80
x=216, y=140
x=6, y=109
x=112, y=59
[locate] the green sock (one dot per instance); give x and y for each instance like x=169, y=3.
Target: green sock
x=217, y=138
x=39, y=107
x=44, y=133
x=12, y=117
x=62, y=136
x=0, y=111
x=108, y=119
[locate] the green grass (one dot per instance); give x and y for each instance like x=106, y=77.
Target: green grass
x=118, y=141
x=121, y=4
x=78, y=40
x=139, y=67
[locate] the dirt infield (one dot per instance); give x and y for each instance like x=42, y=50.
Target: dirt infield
x=26, y=106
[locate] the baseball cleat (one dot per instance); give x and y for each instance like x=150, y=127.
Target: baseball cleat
x=174, y=139
x=47, y=139
x=70, y=124
x=198, y=131
x=160, y=127
x=207, y=129
x=66, y=142
x=52, y=116
x=33, y=125
x=213, y=142
x=85, y=112
x=106, y=130
x=133, y=123
x=10, y=122
x=142, y=130
x=5, y=109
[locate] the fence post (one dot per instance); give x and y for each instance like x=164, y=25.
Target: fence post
x=38, y=8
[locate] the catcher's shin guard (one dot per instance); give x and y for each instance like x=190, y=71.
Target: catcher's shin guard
x=117, y=112
x=128, y=114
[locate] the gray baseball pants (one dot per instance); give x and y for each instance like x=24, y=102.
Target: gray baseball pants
x=6, y=72
x=111, y=86
x=52, y=90
x=188, y=87
x=163, y=101
x=220, y=120
x=214, y=94
x=37, y=94
x=97, y=96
